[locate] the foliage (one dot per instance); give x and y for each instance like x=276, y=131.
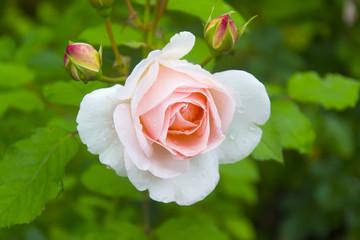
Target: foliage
x=303, y=52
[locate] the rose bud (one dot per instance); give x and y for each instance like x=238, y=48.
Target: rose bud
x=100, y=4
x=104, y=7
x=221, y=33
x=83, y=62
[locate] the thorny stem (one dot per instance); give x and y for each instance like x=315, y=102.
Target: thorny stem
x=146, y=212
x=206, y=60
x=120, y=80
x=133, y=14
x=119, y=60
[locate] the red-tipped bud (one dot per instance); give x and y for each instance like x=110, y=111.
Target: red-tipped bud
x=221, y=33
x=83, y=61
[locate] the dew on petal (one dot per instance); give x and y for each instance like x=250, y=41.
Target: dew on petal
x=252, y=128
x=241, y=109
x=232, y=136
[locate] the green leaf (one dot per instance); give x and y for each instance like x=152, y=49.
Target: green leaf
x=185, y=228
x=117, y=231
x=296, y=131
x=241, y=228
x=275, y=90
x=31, y=174
x=202, y=9
x=14, y=74
x=270, y=144
x=8, y=47
x=244, y=170
x=338, y=135
x=335, y=92
x=237, y=180
x=19, y=99
x=99, y=179
x=98, y=34
x=87, y=206
x=34, y=42
x=134, y=44
x=69, y=93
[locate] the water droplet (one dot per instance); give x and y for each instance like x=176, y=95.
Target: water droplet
x=252, y=128
x=194, y=179
x=232, y=137
x=241, y=109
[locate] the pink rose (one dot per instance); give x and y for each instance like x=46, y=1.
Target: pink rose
x=173, y=122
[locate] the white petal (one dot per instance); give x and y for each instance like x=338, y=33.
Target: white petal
x=250, y=93
x=139, y=70
x=242, y=136
x=193, y=186
x=180, y=45
x=96, y=127
x=113, y=156
x=161, y=163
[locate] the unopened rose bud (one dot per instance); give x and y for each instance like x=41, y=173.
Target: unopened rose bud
x=99, y=4
x=83, y=61
x=221, y=33
x=104, y=7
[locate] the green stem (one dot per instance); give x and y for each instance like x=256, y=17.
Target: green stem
x=154, y=23
x=120, y=80
x=162, y=9
x=146, y=13
x=146, y=212
x=206, y=60
x=158, y=12
x=146, y=50
x=119, y=60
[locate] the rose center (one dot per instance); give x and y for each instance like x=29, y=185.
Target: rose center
x=190, y=112
x=186, y=119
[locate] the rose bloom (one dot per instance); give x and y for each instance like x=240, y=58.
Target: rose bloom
x=172, y=123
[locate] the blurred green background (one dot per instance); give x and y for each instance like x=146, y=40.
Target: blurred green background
x=303, y=182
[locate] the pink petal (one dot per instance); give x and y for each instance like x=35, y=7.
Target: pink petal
x=222, y=95
x=161, y=163
x=153, y=121
x=168, y=80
